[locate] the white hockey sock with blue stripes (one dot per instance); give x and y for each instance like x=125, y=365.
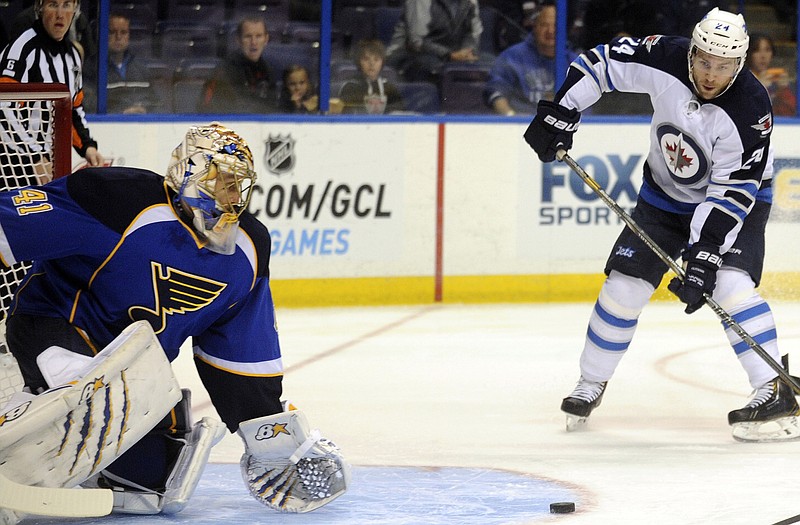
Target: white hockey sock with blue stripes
x=612, y=325
x=755, y=317
x=736, y=294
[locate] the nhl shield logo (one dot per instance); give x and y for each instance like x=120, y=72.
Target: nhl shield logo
x=279, y=156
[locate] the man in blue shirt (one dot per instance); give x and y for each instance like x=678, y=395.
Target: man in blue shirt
x=524, y=73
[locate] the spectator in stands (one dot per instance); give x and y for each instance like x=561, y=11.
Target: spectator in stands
x=431, y=33
x=775, y=79
x=370, y=93
x=128, y=88
x=524, y=73
x=243, y=83
x=45, y=53
x=298, y=94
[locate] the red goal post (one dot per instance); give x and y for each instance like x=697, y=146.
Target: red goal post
x=55, y=103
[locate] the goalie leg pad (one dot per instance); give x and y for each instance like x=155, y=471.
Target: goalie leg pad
x=65, y=435
x=288, y=467
x=192, y=460
x=176, y=451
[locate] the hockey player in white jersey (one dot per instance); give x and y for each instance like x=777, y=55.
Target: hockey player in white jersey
x=706, y=196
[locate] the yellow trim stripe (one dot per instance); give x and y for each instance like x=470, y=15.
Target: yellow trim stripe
x=556, y=288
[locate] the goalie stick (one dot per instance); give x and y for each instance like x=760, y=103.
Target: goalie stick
x=723, y=315
x=48, y=501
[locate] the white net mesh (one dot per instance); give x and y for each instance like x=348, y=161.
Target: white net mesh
x=27, y=130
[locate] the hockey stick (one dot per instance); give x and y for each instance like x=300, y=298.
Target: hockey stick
x=787, y=521
x=724, y=316
x=61, y=502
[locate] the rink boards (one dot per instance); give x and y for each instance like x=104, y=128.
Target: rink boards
x=422, y=211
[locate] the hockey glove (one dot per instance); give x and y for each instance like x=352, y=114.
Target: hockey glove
x=552, y=129
x=702, y=262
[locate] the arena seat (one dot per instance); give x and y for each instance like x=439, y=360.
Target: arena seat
x=462, y=87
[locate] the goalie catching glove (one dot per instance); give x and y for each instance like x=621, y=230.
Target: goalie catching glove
x=702, y=262
x=552, y=129
x=288, y=467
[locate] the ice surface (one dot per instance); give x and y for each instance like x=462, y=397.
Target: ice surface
x=450, y=412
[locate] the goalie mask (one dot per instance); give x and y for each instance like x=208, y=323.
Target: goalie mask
x=212, y=174
x=721, y=34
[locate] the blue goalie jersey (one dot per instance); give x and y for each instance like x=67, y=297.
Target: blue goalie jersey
x=109, y=249
x=708, y=158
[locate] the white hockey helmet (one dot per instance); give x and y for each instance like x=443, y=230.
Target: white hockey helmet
x=212, y=173
x=721, y=34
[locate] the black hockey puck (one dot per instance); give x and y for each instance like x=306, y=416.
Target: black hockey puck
x=562, y=507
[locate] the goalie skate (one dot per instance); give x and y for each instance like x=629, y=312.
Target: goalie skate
x=586, y=396
x=8, y=517
x=770, y=416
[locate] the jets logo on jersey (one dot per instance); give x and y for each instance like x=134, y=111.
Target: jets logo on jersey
x=764, y=125
x=684, y=159
x=175, y=292
x=650, y=41
x=677, y=155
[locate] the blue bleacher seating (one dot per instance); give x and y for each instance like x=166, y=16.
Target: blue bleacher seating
x=386, y=19
x=489, y=18
x=160, y=75
x=462, y=87
x=9, y=9
x=274, y=11
x=141, y=13
x=355, y=23
x=176, y=40
x=141, y=39
x=186, y=94
x=345, y=70
x=301, y=32
x=420, y=97
x=196, y=11
x=279, y=56
x=202, y=68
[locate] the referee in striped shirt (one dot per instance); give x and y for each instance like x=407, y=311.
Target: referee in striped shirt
x=44, y=53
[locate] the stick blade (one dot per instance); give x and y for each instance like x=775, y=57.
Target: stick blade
x=62, y=502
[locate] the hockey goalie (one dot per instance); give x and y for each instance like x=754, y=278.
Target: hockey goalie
x=128, y=266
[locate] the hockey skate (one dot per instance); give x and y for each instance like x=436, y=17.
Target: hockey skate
x=772, y=415
x=581, y=402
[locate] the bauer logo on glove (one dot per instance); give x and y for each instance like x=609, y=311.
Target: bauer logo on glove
x=702, y=262
x=552, y=129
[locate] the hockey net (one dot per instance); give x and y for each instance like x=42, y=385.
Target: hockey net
x=35, y=147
